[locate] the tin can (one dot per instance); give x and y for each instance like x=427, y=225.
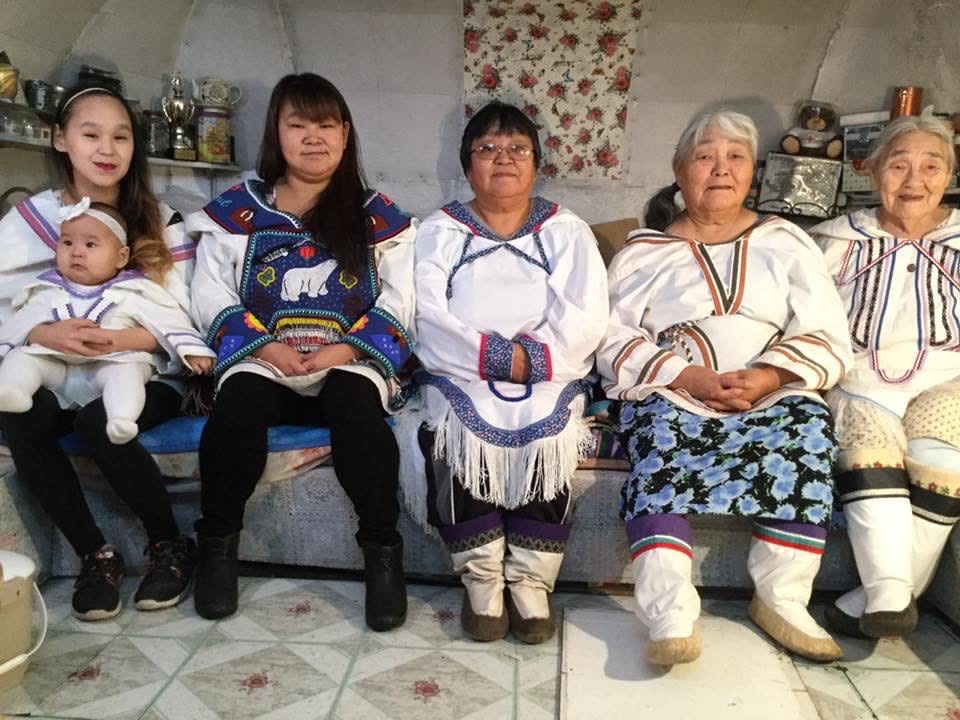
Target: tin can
x=213, y=134
x=906, y=101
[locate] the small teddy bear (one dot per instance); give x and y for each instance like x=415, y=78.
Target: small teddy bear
x=815, y=134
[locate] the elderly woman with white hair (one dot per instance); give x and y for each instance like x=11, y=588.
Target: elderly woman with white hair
x=897, y=268
x=724, y=327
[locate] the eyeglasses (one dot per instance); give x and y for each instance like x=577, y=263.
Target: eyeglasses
x=489, y=151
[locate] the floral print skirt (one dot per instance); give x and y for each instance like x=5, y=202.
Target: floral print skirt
x=775, y=463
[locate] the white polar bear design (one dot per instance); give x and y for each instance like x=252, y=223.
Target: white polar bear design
x=311, y=280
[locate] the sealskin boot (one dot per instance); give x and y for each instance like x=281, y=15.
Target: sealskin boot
x=533, y=630
x=215, y=594
x=386, y=596
x=483, y=628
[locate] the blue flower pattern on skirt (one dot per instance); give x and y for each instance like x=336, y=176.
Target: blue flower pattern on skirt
x=776, y=462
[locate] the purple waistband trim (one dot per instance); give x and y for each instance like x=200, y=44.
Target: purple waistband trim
x=470, y=528
x=534, y=528
x=807, y=530
x=645, y=526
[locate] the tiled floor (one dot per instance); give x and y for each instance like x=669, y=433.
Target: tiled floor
x=298, y=650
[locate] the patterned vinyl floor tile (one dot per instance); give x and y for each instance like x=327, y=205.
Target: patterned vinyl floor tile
x=238, y=679
x=429, y=684
x=85, y=675
x=299, y=649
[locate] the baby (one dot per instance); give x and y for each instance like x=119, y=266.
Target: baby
x=90, y=282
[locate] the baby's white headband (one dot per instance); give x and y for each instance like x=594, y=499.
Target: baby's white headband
x=71, y=212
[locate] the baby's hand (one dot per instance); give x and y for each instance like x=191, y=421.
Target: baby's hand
x=200, y=364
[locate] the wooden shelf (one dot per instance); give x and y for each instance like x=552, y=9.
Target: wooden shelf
x=24, y=143
x=39, y=145
x=217, y=167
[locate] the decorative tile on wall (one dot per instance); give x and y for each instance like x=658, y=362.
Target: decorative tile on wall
x=567, y=64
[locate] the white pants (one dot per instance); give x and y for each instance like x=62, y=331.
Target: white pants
x=120, y=383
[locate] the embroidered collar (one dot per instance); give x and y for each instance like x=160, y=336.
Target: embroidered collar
x=85, y=291
x=540, y=211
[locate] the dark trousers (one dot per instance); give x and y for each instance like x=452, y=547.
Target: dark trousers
x=448, y=503
x=43, y=465
x=233, y=448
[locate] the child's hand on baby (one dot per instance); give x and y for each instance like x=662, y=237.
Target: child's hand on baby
x=200, y=364
x=75, y=336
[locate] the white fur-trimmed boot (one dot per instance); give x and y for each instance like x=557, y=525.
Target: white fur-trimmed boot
x=935, y=495
x=477, y=548
x=667, y=601
x=783, y=562
x=872, y=486
x=535, y=553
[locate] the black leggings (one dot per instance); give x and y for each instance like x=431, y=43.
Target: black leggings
x=233, y=448
x=43, y=465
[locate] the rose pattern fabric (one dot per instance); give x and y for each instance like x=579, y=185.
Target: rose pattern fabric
x=567, y=64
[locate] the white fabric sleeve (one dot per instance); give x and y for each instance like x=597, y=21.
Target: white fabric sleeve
x=183, y=249
x=158, y=312
x=213, y=287
x=445, y=345
x=577, y=317
x=816, y=340
x=32, y=310
x=629, y=361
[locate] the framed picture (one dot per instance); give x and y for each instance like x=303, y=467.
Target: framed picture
x=796, y=185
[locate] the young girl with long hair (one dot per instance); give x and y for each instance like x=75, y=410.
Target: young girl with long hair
x=100, y=155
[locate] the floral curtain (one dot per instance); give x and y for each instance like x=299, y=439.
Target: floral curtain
x=567, y=64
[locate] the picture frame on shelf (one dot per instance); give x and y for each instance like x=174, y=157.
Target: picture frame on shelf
x=797, y=185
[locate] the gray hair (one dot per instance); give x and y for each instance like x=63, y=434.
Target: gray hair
x=731, y=125
x=907, y=124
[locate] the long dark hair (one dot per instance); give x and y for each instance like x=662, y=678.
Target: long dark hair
x=338, y=219
x=136, y=200
x=661, y=210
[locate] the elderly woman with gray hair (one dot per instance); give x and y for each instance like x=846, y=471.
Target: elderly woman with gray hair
x=897, y=268
x=724, y=327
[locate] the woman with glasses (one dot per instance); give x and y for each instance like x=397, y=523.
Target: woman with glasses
x=511, y=304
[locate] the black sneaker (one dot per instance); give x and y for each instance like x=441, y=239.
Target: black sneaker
x=97, y=593
x=168, y=578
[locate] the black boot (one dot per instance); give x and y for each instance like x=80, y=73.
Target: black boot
x=386, y=600
x=215, y=594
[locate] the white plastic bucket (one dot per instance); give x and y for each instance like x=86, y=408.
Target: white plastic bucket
x=17, y=587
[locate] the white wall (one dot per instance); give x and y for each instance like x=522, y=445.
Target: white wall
x=400, y=65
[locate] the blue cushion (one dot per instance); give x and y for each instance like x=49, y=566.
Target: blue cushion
x=182, y=435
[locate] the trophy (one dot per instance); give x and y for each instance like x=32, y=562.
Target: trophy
x=179, y=112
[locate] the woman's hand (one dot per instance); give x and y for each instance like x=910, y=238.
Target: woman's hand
x=520, y=365
x=331, y=356
x=76, y=336
x=200, y=364
x=283, y=357
x=708, y=387
x=757, y=382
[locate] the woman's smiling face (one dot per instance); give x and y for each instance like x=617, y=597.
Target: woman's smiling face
x=98, y=139
x=913, y=175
